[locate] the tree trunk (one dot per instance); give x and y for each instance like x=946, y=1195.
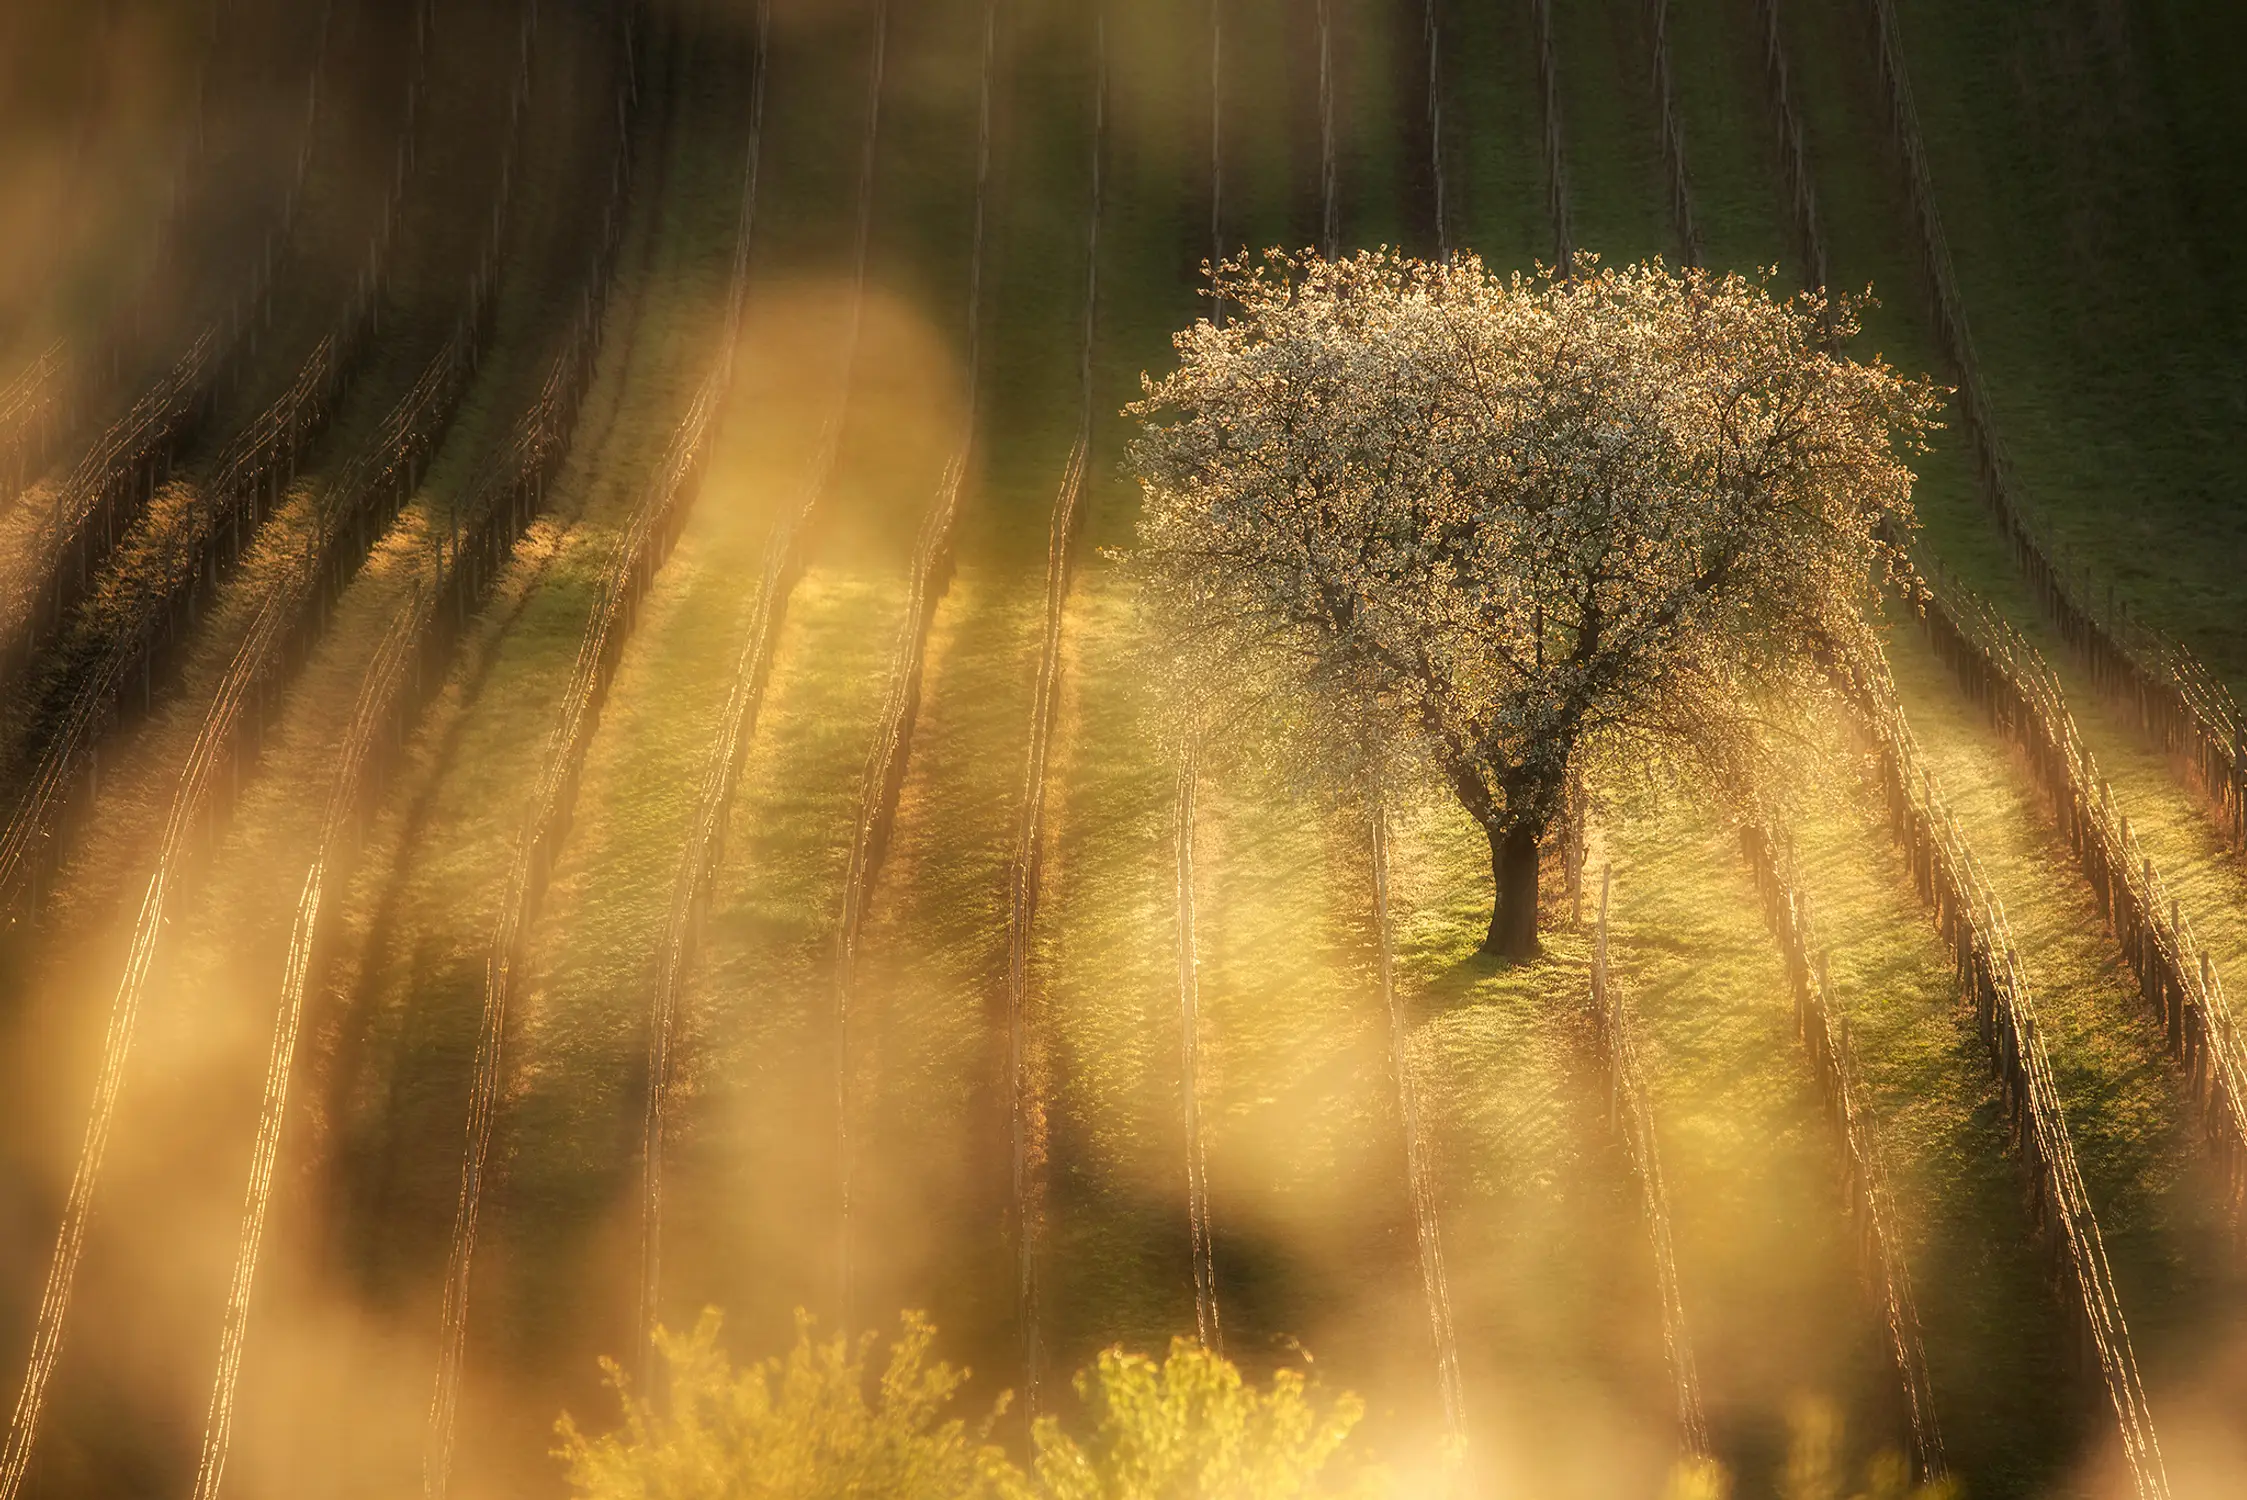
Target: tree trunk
x=1513, y=916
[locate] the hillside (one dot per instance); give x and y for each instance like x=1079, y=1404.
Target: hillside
x=576, y=746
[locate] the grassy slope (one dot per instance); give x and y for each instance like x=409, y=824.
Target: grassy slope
x=1618, y=204
x=2143, y=1159
x=2107, y=326
x=2040, y=150
x=1547, y=1253
x=751, y=1213
x=207, y=1019
x=934, y=1173
x=1741, y=220
x=2122, y=1133
x=351, y=1294
x=1996, y=1336
x=1552, y=1284
x=1765, y=1263
x=1493, y=136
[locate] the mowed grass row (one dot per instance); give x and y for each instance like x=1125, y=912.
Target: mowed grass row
x=754, y=1059
x=416, y=999
x=155, y=1277
x=1998, y=1336
x=1311, y=1251
x=766, y=966
x=554, y=1285
x=1309, y=1196
x=1610, y=132
x=756, y=1173
x=1494, y=136
x=1770, y=1298
x=229, y=968
x=1777, y=1312
x=1552, y=1277
x=2069, y=155
x=932, y=1200
x=2178, y=827
x=2144, y=1159
x=1732, y=156
x=2126, y=1097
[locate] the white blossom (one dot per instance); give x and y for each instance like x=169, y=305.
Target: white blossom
x=1515, y=521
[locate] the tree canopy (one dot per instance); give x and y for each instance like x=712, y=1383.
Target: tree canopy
x=1501, y=523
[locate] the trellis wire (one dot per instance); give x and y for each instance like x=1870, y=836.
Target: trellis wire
x=1435, y=1281
x=1631, y=1106
x=1673, y=140
x=664, y=1001
x=1824, y=1030
x=1027, y=866
x=2179, y=703
x=500, y=507
x=1971, y=919
x=1206, y=1323
x=2175, y=973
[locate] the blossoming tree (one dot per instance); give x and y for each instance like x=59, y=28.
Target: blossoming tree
x=1505, y=523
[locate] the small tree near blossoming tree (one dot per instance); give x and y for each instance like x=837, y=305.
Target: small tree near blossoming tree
x=1512, y=522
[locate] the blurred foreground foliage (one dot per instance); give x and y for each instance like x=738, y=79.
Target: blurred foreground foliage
x=1815, y=1467
x=805, y=1428
x=813, y=1426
